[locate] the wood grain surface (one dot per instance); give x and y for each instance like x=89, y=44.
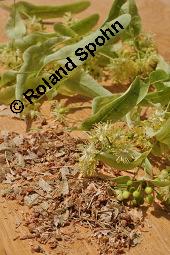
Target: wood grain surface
x=156, y=19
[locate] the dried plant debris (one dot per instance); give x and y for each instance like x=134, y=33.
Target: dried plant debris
x=43, y=176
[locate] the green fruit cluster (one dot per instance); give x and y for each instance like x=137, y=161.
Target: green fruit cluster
x=135, y=194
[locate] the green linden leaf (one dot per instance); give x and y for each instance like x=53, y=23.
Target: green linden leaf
x=33, y=63
x=82, y=83
x=163, y=135
x=111, y=160
x=116, y=109
x=158, y=75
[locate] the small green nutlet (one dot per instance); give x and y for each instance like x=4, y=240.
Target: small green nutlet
x=149, y=199
x=119, y=195
x=129, y=183
x=63, y=110
x=118, y=191
x=136, y=194
x=126, y=194
x=148, y=190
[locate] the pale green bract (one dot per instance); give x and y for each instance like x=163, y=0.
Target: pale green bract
x=69, y=51
x=115, y=10
x=135, y=26
x=79, y=28
x=85, y=26
x=48, y=11
x=34, y=39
